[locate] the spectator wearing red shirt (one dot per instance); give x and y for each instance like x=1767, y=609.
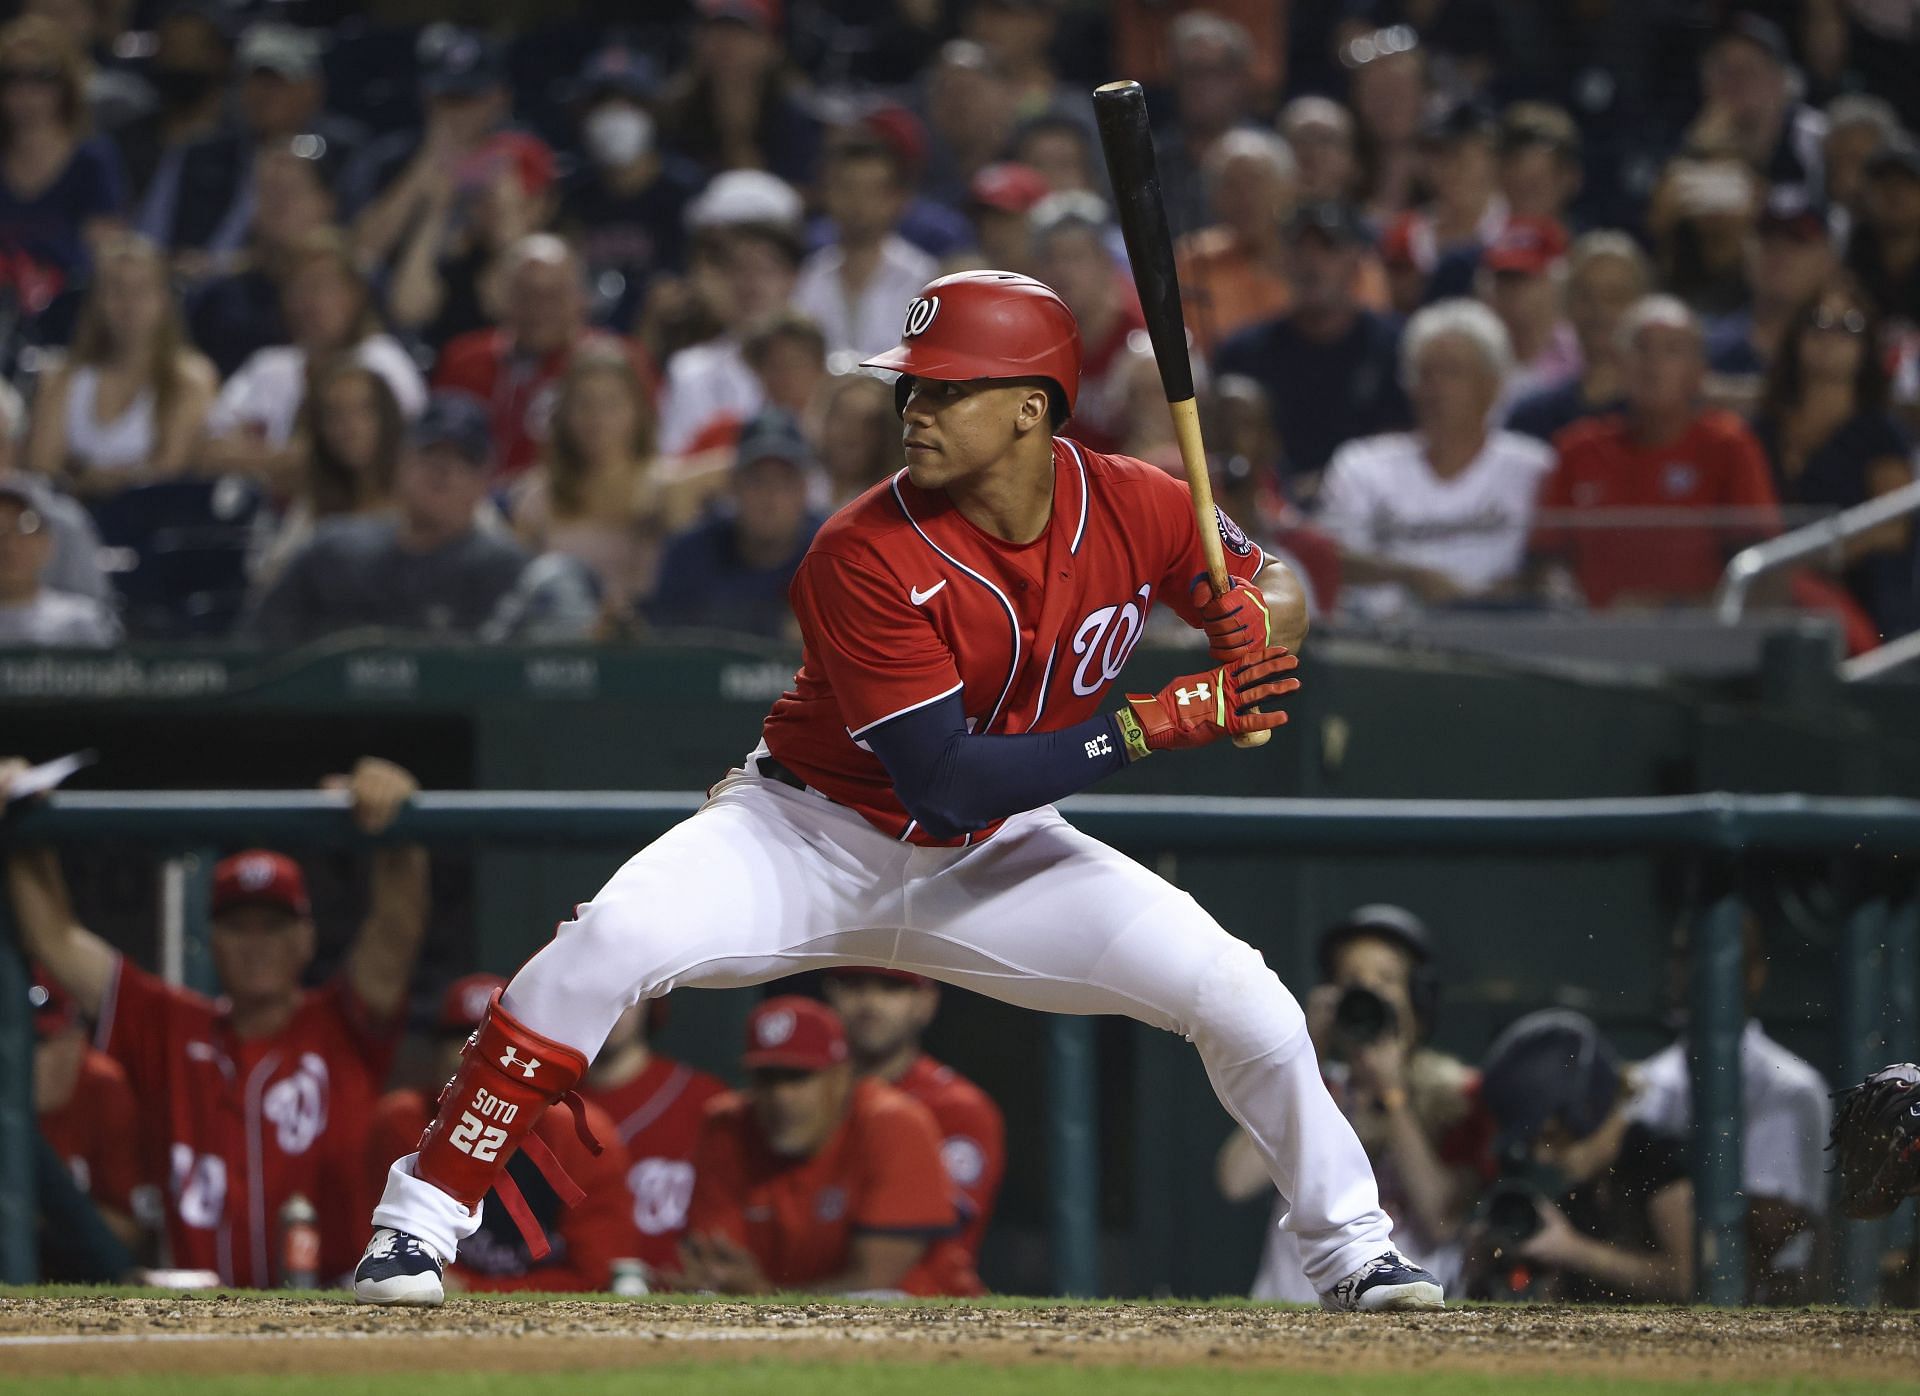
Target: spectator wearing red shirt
x=1071, y=254
x=86, y=1112
x=656, y=1106
x=1665, y=451
x=586, y=1238
x=886, y=1011
x=515, y=368
x=264, y=1092
x=811, y=1180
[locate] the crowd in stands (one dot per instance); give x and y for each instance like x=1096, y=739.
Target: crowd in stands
x=310, y=323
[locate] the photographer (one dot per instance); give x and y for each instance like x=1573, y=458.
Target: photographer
x=1591, y=1206
x=1415, y=1109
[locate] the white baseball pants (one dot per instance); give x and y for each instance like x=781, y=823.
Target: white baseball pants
x=767, y=881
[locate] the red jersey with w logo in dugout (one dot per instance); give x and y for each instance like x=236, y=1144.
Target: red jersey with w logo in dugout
x=901, y=602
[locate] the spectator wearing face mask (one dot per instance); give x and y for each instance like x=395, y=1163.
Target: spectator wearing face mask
x=625, y=208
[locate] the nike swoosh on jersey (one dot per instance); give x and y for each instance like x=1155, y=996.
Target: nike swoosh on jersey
x=921, y=598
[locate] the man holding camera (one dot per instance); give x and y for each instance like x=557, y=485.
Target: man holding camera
x=1591, y=1206
x=1416, y=1109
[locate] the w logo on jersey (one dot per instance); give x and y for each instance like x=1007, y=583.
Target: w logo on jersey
x=1105, y=639
x=296, y=1105
x=920, y=313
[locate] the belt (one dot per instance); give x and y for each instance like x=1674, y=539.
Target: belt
x=773, y=770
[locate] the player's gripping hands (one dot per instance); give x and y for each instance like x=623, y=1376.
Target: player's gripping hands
x=1226, y=701
x=1237, y=621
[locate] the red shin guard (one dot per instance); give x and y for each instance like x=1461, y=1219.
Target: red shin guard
x=508, y=1077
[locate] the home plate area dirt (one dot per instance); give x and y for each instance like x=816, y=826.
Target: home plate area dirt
x=268, y=1334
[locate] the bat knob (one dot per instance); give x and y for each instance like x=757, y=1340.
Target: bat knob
x=1251, y=739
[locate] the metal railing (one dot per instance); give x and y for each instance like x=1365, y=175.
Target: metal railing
x=1812, y=540
x=1879, y=956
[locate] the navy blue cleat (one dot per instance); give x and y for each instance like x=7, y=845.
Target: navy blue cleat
x=1388, y=1281
x=399, y=1269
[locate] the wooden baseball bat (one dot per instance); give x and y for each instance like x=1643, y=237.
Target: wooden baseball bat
x=1120, y=108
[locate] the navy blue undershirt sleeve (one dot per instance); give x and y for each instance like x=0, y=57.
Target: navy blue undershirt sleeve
x=954, y=782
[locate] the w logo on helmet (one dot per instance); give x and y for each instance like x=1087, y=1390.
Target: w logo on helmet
x=920, y=313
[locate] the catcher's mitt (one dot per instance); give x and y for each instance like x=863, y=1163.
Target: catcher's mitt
x=1876, y=1141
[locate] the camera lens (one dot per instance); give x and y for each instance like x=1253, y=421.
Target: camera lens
x=1513, y=1213
x=1361, y=1016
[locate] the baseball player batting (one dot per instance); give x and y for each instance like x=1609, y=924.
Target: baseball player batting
x=962, y=624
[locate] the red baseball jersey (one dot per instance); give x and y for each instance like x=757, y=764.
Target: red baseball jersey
x=518, y=388
x=586, y=1239
x=901, y=602
x=94, y=1133
x=880, y=1171
x=973, y=1140
x=237, y=1126
x=657, y=1116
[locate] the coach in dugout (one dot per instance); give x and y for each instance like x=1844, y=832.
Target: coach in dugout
x=812, y=1180
x=586, y=1237
x=264, y=1093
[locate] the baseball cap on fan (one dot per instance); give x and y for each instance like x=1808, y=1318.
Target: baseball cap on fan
x=465, y=1001
x=790, y=1033
x=259, y=877
x=456, y=62
x=1008, y=187
x=281, y=49
x=1527, y=246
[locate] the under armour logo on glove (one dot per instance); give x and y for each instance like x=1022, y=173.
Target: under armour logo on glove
x=528, y=1066
x=1199, y=693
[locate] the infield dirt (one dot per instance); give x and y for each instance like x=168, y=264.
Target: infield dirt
x=276, y=1334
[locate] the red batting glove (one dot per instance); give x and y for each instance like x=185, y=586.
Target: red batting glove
x=1236, y=622
x=1201, y=708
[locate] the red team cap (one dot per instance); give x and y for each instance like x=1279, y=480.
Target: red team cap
x=898, y=976
x=794, y=1033
x=987, y=324
x=465, y=1002
x=1009, y=187
x=258, y=876
x=1531, y=246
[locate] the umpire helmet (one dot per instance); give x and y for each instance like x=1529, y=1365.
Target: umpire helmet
x=987, y=324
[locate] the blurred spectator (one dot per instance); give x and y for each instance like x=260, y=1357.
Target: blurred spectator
x=885, y=1012
x=303, y=1064
x=1749, y=105
x=1606, y=273
x=1521, y=275
x=1831, y=442
x=392, y=183
x=1233, y=271
x=1070, y=237
x=513, y=368
x=1790, y=257
x=625, y=208
x=859, y=436
x=787, y=355
x=1147, y=432
x=32, y=614
x=1884, y=252
x=426, y=567
x=1329, y=367
x=1784, y=1119
x=329, y=311
x=744, y=272
x=1857, y=125
x=1701, y=216
x=115, y=95
x=236, y=311
x=1019, y=36
x=1142, y=30
x=87, y=1113
x=1539, y=161
x=59, y=190
x=600, y=494
x=937, y=229
x=443, y=282
x=802, y=1129
x=129, y=403
x=350, y=438
x=970, y=117
x=1431, y=251
x=1387, y=88
x=732, y=571
x=1612, y=1208
x=1417, y=1110
x=1062, y=149
x=1215, y=91
x=1468, y=39
x=1664, y=452
x=205, y=201
x=1437, y=516
x=1320, y=133
x=586, y=1237
x=191, y=72
x=736, y=106
x=1000, y=200
x=857, y=287
x=656, y=1105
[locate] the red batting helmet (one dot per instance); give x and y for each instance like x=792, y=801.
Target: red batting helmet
x=988, y=324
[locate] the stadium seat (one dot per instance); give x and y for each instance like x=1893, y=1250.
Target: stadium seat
x=178, y=554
